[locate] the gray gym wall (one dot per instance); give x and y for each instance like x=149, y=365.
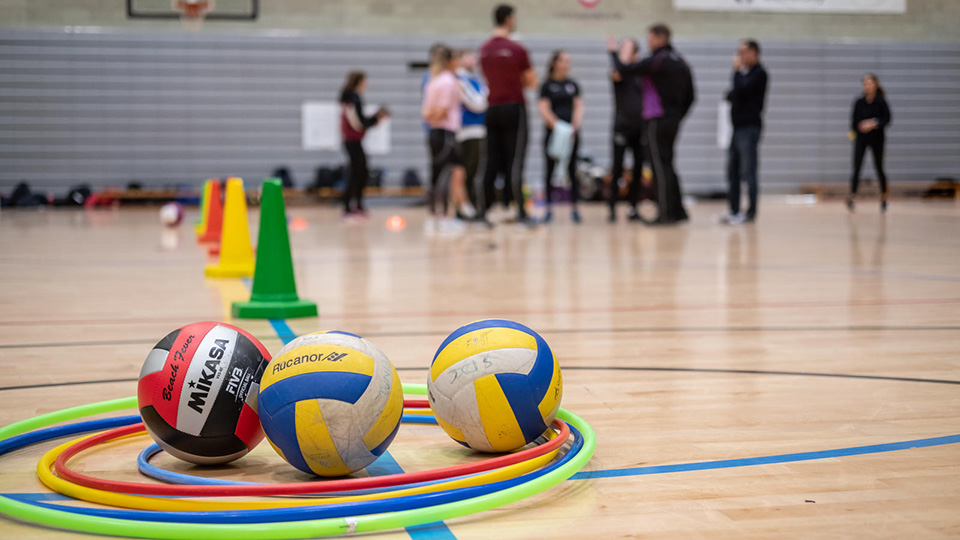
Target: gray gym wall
x=108, y=100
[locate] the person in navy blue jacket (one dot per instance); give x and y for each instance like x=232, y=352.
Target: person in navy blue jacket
x=746, y=97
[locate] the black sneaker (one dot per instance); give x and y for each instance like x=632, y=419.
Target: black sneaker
x=883, y=206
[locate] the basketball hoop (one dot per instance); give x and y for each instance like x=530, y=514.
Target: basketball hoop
x=192, y=12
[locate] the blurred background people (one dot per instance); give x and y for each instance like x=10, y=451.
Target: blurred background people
x=668, y=95
x=506, y=66
x=473, y=133
x=441, y=110
x=560, y=101
x=627, y=130
x=746, y=97
x=868, y=122
x=353, y=126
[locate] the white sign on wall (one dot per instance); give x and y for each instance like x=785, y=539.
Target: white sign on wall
x=320, y=128
x=800, y=6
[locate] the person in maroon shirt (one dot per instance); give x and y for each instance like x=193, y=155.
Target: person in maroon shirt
x=506, y=66
x=353, y=127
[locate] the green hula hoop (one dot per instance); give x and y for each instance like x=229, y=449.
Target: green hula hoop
x=72, y=413
x=297, y=529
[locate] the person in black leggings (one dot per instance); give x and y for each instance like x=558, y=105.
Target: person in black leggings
x=353, y=126
x=668, y=95
x=560, y=101
x=628, y=126
x=869, y=120
x=506, y=66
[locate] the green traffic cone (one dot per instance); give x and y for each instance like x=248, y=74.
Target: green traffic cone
x=274, y=288
x=200, y=223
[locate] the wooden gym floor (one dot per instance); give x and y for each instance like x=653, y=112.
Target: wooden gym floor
x=809, y=333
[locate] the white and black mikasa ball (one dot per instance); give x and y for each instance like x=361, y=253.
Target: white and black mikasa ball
x=198, y=392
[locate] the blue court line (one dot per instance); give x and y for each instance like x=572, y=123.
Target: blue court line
x=428, y=531
x=431, y=531
x=766, y=460
x=283, y=330
x=385, y=464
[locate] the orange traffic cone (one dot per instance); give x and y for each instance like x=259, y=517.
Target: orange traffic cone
x=214, y=223
x=236, y=253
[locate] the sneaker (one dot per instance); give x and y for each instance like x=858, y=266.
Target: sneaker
x=850, y=204
x=549, y=217
x=613, y=216
x=467, y=211
x=634, y=215
x=482, y=220
x=575, y=216
x=528, y=221
x=451, y=226
x=883, y=205
x=730, y=219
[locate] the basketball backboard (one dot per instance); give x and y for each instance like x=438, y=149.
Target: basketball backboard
x=223, y=10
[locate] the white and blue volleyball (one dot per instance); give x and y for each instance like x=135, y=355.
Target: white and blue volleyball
x=495, y=385
x=330, y=403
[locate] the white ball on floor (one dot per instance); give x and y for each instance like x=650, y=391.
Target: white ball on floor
x=171, y=214
x=648, y=210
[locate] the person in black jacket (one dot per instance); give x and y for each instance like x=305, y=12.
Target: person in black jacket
x=668, y=94
x=353, y=126
x=870, y=117
x=627, y=130
x=746, y=107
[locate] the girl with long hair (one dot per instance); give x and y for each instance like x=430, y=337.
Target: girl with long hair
x=353, y=126
x=868, y=122
x=441, y=111
x=560, y=101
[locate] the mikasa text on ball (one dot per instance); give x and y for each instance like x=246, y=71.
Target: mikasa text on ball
x=494, y=385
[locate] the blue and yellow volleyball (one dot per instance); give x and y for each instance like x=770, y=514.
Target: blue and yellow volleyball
x=495, y=385
x=330, y=403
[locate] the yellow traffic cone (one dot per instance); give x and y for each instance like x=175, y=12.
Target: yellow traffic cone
x=236, y=253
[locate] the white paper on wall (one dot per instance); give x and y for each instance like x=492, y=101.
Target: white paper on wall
x=320, y=128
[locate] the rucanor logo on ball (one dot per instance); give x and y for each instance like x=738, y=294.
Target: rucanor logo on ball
x=332, y=357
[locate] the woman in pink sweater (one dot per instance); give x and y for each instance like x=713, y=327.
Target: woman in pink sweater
x=441, y=111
